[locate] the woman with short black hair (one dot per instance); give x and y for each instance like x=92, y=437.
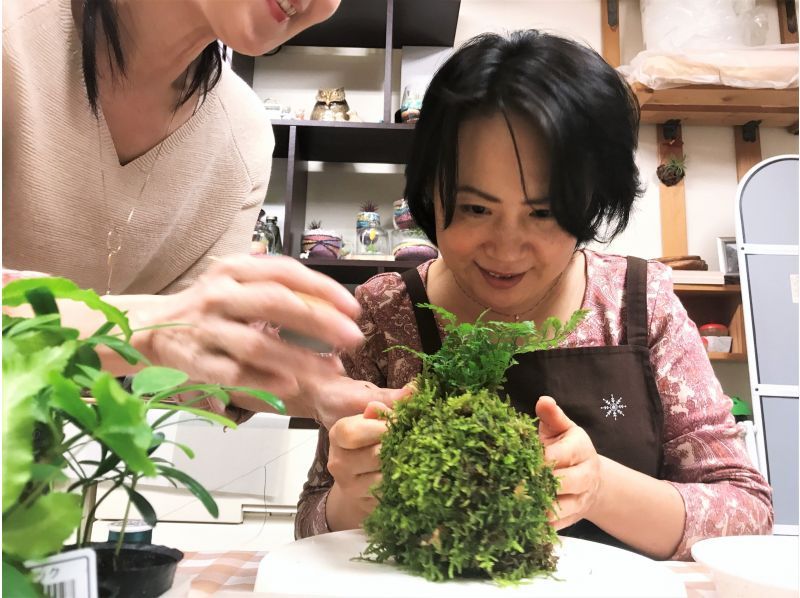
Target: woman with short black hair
x=523, y=152
x=590, y=129
x=135, y=161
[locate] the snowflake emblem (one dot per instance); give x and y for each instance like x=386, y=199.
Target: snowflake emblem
x=614, y=407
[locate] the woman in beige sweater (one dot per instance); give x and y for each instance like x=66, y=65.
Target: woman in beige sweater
x=135, y=162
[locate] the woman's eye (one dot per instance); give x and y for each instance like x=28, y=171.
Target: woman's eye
x=541, y=213
x=475, y=210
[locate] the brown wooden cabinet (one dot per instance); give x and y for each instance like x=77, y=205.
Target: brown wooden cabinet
x=720, y=304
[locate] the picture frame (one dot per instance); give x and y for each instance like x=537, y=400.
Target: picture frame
x=728, y=258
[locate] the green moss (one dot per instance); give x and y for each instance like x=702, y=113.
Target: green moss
x=466, y=490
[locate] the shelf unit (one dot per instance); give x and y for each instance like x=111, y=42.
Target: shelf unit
x=744, y=110
x=720, y=304
x=386, y=24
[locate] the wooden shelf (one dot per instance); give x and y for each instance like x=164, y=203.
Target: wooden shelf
x=734, y=357
x=708, y=289
x=337, y=141
x=718, y=105
x=362, y=24
x=721, y=304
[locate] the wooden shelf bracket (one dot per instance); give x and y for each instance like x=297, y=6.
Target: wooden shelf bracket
x=610, y=32
x=672, y=199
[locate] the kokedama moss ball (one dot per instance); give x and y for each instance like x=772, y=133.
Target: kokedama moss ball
x=465, y=490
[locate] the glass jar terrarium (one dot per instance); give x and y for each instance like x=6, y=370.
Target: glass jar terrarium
x=372, y=241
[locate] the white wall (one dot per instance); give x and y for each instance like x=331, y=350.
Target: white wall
x=294, y=74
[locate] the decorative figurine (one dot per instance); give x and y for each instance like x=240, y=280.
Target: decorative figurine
x=331, y=105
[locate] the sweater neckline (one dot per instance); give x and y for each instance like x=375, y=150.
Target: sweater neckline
x=161, y=149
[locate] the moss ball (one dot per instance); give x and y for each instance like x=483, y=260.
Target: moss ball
x=465, y=490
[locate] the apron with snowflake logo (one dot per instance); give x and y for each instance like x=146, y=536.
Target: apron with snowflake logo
x=608, y=391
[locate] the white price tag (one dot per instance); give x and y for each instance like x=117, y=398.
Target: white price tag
x=68, y=574
x=793, y=280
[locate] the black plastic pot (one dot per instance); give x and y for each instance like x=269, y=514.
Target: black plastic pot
x=140, y=570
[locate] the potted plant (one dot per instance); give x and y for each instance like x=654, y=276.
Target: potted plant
x=48, y=371
x=672, y=171
x=465, y=487
x=368, y=217
x=318, y=242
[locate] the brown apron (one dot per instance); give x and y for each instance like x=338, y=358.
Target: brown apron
x=608, y=391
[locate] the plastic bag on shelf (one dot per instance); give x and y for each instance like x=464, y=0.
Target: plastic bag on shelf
x=765, y=67
x=676, y=25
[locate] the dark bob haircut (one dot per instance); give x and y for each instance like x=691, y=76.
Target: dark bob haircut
x=205, y=72
x=585, y=112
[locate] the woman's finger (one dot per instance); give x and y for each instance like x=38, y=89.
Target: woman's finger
x=264, y=352
x=279, y=305
x=353, y=462
x=357, y=432
x=553, y=422
x=290, y=273
x=575, y=479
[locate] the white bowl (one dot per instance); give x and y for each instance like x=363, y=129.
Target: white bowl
x=745, y=566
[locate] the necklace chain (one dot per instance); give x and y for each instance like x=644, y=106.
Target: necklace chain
x=517, y=317
x=114, y=237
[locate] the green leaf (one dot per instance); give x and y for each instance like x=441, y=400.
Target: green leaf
x=123, y=348
x=46, y=472
x=155, y=379
x=17, y=583
x=23, y=377
x=123, y=424
x=26, y=324
x=66, y=396
x=85, y=357
x=17, y=448
x=143, y=506
x=42, y=301
x=210, y=416
x=193, y=486
x=15, y=293
x=209, y=389
x=104, y=329
x=265, y=396
x=42, y=528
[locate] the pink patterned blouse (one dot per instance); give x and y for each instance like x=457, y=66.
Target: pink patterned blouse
x=704, y=455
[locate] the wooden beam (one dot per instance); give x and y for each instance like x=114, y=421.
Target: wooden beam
x=747, y=144
x=787, y=22
x=610, y=32
x=672, y=199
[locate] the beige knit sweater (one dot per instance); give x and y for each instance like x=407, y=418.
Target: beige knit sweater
x=201, y=200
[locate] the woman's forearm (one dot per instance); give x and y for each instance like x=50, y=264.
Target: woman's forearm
x=645, y=513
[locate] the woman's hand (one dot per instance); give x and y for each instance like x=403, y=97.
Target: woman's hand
x=354, y=463
x=576, y=463
x=214, y=343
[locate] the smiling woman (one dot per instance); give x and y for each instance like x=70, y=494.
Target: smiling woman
x=523, y=152
x=135, y=162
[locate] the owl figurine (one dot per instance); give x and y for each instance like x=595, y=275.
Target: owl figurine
x=331, y=105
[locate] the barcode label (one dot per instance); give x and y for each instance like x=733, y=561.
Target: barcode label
x=63, y=589
x=68, y=574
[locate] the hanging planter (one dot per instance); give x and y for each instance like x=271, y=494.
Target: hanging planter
x=672, y=171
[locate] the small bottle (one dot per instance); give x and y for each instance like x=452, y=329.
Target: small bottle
x=273, y=235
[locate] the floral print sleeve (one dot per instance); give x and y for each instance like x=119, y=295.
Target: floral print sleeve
x=704, y=456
